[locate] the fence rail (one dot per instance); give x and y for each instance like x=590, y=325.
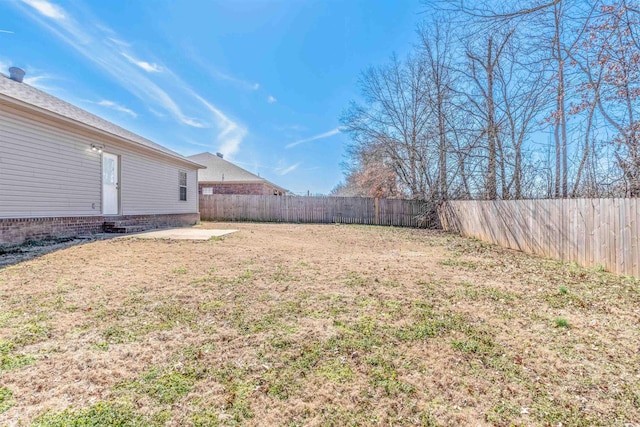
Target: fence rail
x=347, y=210
x=590, y=232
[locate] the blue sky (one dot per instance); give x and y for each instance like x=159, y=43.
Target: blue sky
x=262, y=81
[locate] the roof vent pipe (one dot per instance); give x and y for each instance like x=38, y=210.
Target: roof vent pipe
x=16, y=74
x=220, y=155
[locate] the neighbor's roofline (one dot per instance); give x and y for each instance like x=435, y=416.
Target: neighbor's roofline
x=261, y=181
x=256, y=180
x=86, y=126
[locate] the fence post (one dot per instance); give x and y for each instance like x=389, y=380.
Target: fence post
x=376, y=206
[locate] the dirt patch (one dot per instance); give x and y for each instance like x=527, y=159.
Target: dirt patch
x=14, y=254
x=315, y=325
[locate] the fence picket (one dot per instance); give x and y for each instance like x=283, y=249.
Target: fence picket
x=589, y=232
x=348, y=210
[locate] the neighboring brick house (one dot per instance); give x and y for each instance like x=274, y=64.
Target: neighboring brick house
x=223, y=177
x=66, y=172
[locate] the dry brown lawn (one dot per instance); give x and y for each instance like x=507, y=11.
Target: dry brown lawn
x=315, y=325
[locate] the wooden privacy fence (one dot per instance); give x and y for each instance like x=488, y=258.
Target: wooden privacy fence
x=347, y=210
x=590, y=232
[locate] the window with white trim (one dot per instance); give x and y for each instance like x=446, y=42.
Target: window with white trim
x=207, y=191
x=182, y=178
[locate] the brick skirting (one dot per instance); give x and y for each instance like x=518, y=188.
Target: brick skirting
x=16, y=231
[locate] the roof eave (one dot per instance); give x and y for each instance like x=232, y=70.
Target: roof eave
x=262, y=181
x=94, y=129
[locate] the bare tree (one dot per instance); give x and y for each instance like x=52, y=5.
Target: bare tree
x=551, y=28
x=436, y=53
x=523, y=97
x=395, y=120
x=610, y=59
x=466, y=115
x=482, y=67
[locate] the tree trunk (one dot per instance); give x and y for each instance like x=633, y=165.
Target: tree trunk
x=561, y=140
x=491, y=185
x=442, y=156
x=587, y=150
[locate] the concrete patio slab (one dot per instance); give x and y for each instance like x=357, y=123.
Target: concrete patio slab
x=180, y=234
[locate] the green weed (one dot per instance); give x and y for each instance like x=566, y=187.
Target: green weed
x=385, y=375
x=464, y=264
x=9, y=361
x=166, y=387
x=429, y=324
x=355, y=279
x=6, y=399
x=503, y=412
x=6, y=316
x=335, y=370
x=102, y=346
x=296, y=365
x=561, y=322
x=492, y=294
x=116, y=334
x=172, y=314
x=210, y=306
x=31, y=332
x=238, y=392
x=100, y=414
x=206, y=418
x=282, y=275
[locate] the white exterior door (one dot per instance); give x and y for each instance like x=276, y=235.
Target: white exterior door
x=110, y=184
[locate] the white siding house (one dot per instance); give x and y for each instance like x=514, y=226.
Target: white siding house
x=64, y=171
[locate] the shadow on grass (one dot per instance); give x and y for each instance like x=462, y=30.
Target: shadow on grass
x=10, y=255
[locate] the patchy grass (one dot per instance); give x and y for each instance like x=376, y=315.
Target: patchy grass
x=10, y=360
x=100, y=414
x=6, y=399
x=315, y=325
x=165, y=387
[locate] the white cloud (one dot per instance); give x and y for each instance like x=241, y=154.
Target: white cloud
x=315, y=138
x=244, y=84
x=287, y=128
x=4, y=66
x=147, y=66
x=105, y=48
x=118, y=41
x=271, y=99
x=117, y=107
x=157, y=113
x=219, y=75
x=37, y=81
x=6, y=31
x=285, y=170
x=197, y=144
x=47, y=9
x=94, y=41
x=231, y=134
